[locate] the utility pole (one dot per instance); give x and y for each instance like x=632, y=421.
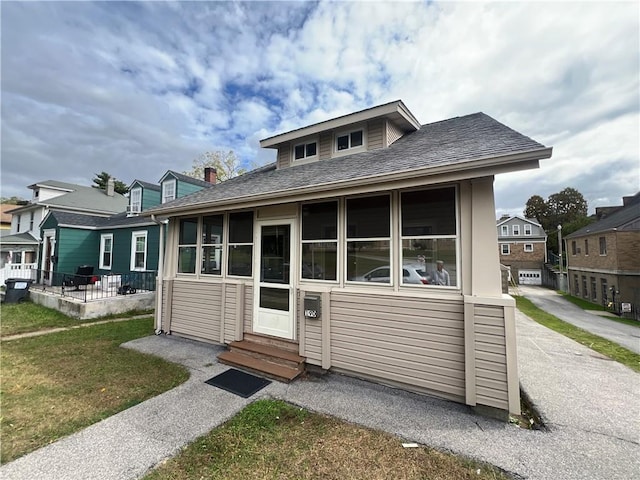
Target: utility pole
x=560, y=245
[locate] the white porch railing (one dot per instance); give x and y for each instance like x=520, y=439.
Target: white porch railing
x=18, y=270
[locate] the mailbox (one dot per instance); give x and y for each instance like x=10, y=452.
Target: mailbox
x=312, y=306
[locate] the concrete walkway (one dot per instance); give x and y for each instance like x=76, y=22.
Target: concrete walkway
x=589, y=403
x=550, y=301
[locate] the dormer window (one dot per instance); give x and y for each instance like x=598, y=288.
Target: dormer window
x=349, y=140
x=135, y=200
x=305, y=151
x=168, y=190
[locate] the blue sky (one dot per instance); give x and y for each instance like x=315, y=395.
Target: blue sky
x=136, y=89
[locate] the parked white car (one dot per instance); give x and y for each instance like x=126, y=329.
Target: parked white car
x=413, y=274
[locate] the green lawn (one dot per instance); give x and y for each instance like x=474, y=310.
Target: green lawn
x=30, y=317
x=56, y=384
x=586, y=305
x=599, y=344
x=272, y=439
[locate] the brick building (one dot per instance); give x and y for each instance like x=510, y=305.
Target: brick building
x=522, y=244
x=604, y=257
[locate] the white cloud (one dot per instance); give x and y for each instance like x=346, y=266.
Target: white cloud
x=138, y=88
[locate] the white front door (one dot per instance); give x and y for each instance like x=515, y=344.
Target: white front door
x=273, y=293
x=48, y=256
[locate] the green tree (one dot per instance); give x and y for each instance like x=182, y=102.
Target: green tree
x=227, y=165
x=12, y=200
x=567, y=208
x=101, y=182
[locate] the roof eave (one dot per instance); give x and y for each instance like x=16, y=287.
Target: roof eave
x=487, y=166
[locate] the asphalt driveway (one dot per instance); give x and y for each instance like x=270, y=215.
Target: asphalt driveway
x=548, y=300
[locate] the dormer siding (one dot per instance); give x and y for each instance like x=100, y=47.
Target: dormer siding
x=378, y=133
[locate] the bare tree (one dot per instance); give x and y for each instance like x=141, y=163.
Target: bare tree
x=226, y=164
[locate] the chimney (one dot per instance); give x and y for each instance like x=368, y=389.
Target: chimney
x=210, y=175
x=110, y=187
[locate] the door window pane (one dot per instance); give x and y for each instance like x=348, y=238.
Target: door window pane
x=274, y=298
x=275, y=254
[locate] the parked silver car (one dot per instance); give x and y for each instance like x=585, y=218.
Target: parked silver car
x=413, y=274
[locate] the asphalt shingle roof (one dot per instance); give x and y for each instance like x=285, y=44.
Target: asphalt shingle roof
x=94, y=221
x=449, y=142
x=187, y=179
x=618, y=219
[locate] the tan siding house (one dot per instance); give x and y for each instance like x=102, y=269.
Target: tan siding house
x=369, y=248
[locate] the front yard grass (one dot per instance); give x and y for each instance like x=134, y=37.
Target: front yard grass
x=272, y=439
x=56, y=384
x=29, y=317
x=594, y=342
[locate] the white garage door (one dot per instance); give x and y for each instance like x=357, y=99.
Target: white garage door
x=530, y=277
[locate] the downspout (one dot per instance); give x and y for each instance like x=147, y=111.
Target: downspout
x=160, y=223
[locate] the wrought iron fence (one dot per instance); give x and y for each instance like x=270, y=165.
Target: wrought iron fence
x=86, y=288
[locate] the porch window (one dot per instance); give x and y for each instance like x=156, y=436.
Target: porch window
x=211, y=245
x=139, y=250
x=368, y=239
x=429, y=237
x=168, y=190
x=187, y=245
x=320, y=241
x=135, y=200
x=106, y=251
x=240, y=244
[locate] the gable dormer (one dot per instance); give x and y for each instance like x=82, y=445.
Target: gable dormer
x=369, y=129
x=142, y=195
x=175, y=185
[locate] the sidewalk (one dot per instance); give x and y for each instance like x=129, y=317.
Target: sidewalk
x=589, y=403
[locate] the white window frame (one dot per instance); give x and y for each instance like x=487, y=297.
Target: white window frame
x=502, y=249
x=134, y=237
x=306, y=158
x=18, y=217
x=103, y=238
x=527, y=229
x=389, y=239
x=31, y=220
x=505, y=231
x=165, y=196
x=135, y=204
x=516, y=230
x=528, y=247
x=350, y=150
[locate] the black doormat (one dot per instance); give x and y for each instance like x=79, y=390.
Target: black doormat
x=240, y=383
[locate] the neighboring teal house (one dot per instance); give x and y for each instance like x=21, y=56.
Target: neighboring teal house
x=123, y=244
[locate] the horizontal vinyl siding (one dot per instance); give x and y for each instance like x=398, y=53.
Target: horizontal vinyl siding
x=325, y=148
x=248, y=308
x=491, y=357
x=196, y=309
x=411, y=341
x=284, y=155
x=374, y=135
x=230, y=304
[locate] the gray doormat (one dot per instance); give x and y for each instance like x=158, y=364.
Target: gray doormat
x=239, y=383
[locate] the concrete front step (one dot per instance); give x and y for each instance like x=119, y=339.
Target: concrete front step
x=282, y=373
